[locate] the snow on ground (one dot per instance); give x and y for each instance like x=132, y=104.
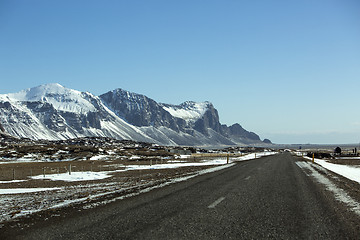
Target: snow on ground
x=12, y=181
x=16, y=203
x=74, y=176
x=25, y=190
x=31, y=159
x=339, y=193
x=254, y=155
x=175, y=165
x=215, y=161
x=180, y=179
x=350, y=172
x=98, y=157
x=148, y=189
x=90, y=176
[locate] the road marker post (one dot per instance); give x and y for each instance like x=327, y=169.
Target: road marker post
x=313, y=157
x=227, y=159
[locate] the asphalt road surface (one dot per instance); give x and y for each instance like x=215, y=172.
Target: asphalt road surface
x=267, y=198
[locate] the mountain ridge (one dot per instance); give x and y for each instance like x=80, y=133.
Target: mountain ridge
x=53, y=112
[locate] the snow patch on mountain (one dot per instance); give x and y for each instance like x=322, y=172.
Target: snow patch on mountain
x=189, y=111
x=63, y=99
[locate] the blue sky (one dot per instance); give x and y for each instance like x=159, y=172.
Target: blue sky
x=287, y=70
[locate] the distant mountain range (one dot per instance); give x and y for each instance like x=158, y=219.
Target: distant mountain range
x=54, y=112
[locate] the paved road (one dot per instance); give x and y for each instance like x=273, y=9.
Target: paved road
x=268, y=198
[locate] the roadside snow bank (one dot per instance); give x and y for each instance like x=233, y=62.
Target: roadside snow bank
x=350, y=172
x=254, y=156
x=339, y=193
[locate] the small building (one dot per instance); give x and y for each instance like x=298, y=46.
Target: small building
x=337, y=151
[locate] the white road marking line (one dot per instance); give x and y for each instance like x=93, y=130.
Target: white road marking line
x=214, y=204
x=247, y=178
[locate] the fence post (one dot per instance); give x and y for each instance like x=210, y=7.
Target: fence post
x=44, y=171
x=70, y=169
x=13, y=173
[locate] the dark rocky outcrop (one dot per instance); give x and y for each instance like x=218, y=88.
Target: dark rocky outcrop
x=140, y=110
x=2, y=128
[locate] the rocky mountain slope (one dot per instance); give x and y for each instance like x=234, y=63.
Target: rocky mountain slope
x=54, y=112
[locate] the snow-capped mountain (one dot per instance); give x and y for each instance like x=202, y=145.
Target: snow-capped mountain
x=52, y=111
x=189, y=123
x=62, y=99
x=140, y=110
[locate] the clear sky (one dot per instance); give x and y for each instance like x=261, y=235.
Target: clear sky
x=287, y=70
